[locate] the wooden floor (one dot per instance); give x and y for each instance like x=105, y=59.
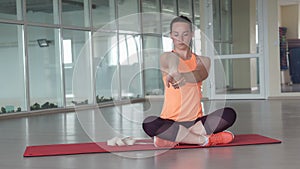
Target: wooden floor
x=278, y=119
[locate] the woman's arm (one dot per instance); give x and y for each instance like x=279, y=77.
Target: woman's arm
x=200, y=73
x=169, y=63
x=169, y=67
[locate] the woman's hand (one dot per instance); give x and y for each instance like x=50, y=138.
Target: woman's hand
x=175, y=79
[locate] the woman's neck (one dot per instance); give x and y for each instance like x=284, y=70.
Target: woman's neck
x=184, y=54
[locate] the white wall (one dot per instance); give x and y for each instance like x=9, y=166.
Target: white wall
x=290, y=19
x=272, y=59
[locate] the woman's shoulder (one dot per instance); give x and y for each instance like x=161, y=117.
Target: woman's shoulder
x=203, y=61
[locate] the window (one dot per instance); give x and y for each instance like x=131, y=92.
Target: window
x=56, y=38
x=12, y=88
x=11, y=9
x=44, y=69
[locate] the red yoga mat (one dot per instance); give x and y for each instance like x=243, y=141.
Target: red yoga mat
x=101, y=147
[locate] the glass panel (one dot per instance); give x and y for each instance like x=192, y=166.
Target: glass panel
x=77, y=70
x=130, y=65
x=151, y=23
x=103, y=12
x=12, y=88
x=185, y=8
x=235, y=26
x=106, y=61
x=216, y=22
x=129, y=54
x=169, y=12
x=197, y=13
x=129, y=20
x=127, y=7
x=44, y=68
x=150, y=6
x=241, y=76
x=153, y=79
x=75, y=13
x=42, y=11
x=168, y=7
x=11, y=9
x=222, y=14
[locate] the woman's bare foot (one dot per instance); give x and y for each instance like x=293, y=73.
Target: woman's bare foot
x=198, y=129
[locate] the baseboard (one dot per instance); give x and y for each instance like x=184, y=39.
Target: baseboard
x=283, y=97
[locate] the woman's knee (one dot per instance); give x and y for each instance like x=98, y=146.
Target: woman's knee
x=230, y=115
x=149, y=125
x=226, y=113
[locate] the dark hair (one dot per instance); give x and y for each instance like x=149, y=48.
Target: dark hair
x=181, y=18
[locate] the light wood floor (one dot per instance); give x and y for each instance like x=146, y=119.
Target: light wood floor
x=278, y=119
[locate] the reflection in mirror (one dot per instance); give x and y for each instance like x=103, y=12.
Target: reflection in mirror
x=289, y=48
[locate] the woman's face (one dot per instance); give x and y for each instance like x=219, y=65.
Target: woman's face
x=181, y=35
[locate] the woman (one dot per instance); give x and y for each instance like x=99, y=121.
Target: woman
x=181, y=119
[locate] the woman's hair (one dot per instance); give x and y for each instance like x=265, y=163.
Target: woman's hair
x=181, y=18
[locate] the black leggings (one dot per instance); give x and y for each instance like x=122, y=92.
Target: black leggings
x=214, y=122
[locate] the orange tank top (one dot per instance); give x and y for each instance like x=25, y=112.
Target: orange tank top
x=183, y=104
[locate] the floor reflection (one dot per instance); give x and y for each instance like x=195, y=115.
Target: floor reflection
x=193, y=158
x=290, y=87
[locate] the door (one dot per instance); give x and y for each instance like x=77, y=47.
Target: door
x=235, y=27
